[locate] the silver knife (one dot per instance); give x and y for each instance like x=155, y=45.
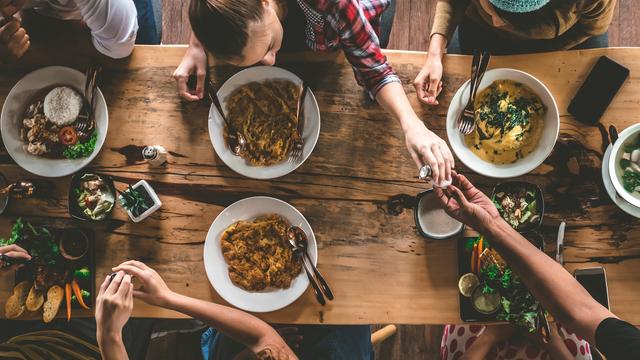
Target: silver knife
x=560, y=244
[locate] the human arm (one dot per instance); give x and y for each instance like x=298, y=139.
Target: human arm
x=428, y=82
x=547, y=280
x=14, y=40
x=255, y=334
x=113, y=24
x=113, y=309
x=194, y=61
x=373, y=71
x=425, y=147
x=13, y=252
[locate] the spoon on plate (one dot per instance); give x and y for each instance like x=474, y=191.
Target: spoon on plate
x=235, y=139
x=299, y=237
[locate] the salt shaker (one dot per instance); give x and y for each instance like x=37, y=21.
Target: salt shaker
x=155, y=155
x=425, y=174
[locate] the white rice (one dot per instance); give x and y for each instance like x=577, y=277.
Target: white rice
x=62, y=105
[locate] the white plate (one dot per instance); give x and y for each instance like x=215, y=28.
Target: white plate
x=611, y=190
x=14, y=107
x=216, y=124
x=216, y=266
x=524, y=165
x=627, y=136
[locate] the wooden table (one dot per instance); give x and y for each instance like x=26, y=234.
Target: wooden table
x=357, y=189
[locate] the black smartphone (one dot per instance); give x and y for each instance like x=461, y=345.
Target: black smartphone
x=594, y=280
x=597, y=91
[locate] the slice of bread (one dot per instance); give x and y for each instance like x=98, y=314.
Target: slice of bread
x=55, y=294
x=35, y=299
x=14, y=306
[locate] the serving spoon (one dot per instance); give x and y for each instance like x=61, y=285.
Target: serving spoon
x=299, y=237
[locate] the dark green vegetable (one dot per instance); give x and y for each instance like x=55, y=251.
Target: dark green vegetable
x=82, y=274
x=630, y=180
x=519, y=307
x=81, y=150
x=134, y=201
x=86, y=296
x=16, y=233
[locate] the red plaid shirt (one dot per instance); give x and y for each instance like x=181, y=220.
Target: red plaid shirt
x=352, y=25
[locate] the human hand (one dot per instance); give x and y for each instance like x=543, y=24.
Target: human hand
x=154, y=290
x=14, y=252
x=193, y=62
x=465, y=203
x=428, y=83
x=8, y=8
x=113, y=306
x=14, y=40
x=425, y=147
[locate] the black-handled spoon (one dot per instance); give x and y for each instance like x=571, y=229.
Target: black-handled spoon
x=300, y=238
x=314, y=285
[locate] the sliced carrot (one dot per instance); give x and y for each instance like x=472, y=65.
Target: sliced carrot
x=67, y=293
x=480, y=244
x=78, y=292
x=473, y=257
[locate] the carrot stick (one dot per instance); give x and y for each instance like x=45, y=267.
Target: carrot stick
x=67, y=292
x=480, y=243
x=473, y=257
x=78, y=292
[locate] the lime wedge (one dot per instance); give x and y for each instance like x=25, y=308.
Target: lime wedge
x=467, y=283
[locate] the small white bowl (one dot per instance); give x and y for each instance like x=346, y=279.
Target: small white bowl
x=615, y=171
x=529, y=162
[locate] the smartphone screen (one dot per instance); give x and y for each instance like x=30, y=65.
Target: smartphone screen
x=596, y=285
x=598, y=90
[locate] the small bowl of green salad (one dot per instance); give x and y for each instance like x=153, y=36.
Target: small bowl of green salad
x=520, y=204
x=91, y=196
x=624, y=166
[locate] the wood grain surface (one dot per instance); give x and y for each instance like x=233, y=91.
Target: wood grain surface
x=357, y=189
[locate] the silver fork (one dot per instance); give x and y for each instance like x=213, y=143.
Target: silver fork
x=298, y=143
x=467, y=119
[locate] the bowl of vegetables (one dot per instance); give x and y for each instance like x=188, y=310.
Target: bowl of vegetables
x=91, y=196
x=520, y=204
x=624, y=166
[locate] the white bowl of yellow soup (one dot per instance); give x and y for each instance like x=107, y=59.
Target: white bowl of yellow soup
x=517, y=124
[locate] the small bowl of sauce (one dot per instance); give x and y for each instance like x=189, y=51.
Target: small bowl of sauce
x=431, y=219
x=74, y=244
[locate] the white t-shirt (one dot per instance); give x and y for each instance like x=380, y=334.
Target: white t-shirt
x=113, y=23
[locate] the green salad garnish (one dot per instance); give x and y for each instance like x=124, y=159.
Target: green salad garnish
x=81, y=150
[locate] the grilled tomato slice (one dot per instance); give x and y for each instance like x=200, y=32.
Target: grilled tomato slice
x=68, y=136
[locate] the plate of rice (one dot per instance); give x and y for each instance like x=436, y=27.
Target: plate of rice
x=45, y=124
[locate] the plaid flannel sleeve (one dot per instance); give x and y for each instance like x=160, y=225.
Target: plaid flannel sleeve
x=361, y=45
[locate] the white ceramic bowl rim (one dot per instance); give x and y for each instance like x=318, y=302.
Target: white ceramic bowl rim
x=627, y=134
x=520, y=167
x=216, y=124
x=14, y=106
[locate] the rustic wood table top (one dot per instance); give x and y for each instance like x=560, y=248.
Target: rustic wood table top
x=357, y=189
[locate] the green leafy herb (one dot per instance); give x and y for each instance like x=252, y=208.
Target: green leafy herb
x=133, y=200
x=16, y=233
x=81, y=150
x=82, y=274
x=630, y=180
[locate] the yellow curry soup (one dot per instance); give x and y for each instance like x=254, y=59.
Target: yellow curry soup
x=509, y=122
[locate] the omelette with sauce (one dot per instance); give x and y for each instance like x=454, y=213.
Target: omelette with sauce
x=509, y=122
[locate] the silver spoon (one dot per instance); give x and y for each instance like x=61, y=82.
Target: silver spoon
x=297, y=252
x=236, y=140
x=298, y=235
